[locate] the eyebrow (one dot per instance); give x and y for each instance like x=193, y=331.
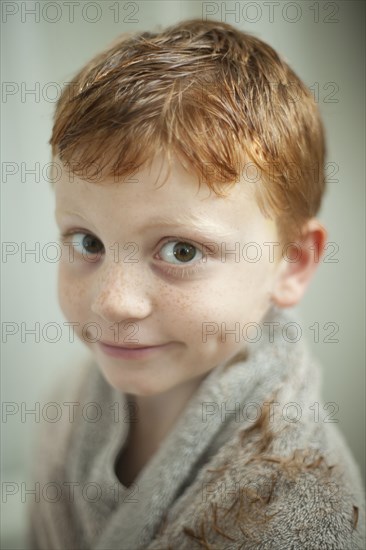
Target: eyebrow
x=194, y=222
x=200, y=224
x=59, y=212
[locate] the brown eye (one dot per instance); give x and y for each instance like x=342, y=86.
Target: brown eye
x=179, y=252
x=85, y=244
x=92, y=245
x=184, y=252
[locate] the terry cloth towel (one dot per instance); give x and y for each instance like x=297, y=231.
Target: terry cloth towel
x=254, y=461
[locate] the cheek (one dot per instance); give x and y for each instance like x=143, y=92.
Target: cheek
x=195, y=317
x=251, y=287
x=182, y=312
x=70, y=293
x=214, y=318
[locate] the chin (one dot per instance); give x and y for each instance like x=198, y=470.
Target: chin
x=131, y=384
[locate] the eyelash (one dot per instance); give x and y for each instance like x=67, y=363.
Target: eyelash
x=175, y=271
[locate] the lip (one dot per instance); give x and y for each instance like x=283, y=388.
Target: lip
x=132, y=352
x=130, y=346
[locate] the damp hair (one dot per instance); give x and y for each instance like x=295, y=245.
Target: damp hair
x=217, y=99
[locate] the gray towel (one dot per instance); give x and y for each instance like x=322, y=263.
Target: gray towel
x=255, y=461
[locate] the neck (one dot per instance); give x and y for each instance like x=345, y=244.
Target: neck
x=155, y=415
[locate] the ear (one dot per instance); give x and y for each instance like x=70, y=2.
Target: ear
x=299, y=261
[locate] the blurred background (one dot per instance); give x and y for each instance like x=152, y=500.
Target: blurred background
x=43, y=45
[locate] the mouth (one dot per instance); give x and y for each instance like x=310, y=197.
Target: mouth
x=133, y=351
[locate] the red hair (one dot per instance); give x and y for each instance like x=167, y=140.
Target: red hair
x=220, y=99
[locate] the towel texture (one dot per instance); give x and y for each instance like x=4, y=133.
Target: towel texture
x=255, y=461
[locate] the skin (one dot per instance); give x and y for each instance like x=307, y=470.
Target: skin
x=162, y=306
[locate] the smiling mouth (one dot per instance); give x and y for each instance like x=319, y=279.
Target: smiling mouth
x=133, y=352
x=133, y=346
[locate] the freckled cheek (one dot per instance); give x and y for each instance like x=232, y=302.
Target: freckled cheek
x=224, y=308
x=182, y=313
x=195, y=318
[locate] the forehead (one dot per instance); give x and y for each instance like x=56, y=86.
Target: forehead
x=152, y=192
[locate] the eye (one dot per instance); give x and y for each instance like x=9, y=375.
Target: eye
x=85, y=244
x=180, y=252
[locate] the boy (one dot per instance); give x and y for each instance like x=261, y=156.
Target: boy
x=197, y=424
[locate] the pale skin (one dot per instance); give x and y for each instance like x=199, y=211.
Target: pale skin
x=164, y=305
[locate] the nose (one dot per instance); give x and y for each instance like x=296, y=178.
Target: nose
x=121, y=293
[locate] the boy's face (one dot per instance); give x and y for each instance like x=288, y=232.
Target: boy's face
x=131, y=281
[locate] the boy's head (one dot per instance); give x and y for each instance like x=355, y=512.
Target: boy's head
x=222, y=100
x=217, y=107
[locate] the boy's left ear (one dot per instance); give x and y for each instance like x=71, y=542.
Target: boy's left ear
x=298, y=265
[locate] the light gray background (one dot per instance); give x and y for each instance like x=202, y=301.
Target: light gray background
x=36, y=53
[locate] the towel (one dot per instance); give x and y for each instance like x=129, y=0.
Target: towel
x=254, y=461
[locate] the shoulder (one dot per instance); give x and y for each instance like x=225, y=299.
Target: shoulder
x=253, y=497
x=311, y=497
x=307, y=493
x=64, y=395
x=50, y=447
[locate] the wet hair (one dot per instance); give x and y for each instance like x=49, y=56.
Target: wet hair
x=220, y=99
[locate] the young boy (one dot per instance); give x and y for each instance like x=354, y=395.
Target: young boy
x=198, y=422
